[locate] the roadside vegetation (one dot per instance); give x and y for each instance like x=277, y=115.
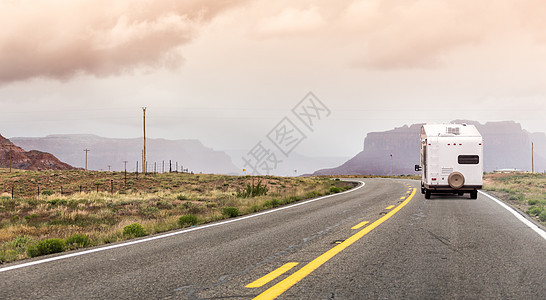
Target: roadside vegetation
x=525, y=191
x=43, y=212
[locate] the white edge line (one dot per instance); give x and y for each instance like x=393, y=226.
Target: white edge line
x=160, y=236
x=530, y=224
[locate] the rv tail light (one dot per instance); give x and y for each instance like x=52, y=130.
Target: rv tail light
x=433, y=179
x=480, y=144
x=460, y=144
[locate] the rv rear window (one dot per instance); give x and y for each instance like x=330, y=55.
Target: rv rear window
x=469, y=159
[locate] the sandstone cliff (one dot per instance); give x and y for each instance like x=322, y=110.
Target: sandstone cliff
x=506, y=145
x=31, y=160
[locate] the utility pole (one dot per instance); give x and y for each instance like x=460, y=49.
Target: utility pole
x=109, y=168
x=125, y=172
x=86, y=150
x=144, y=150
x=391, y=164
x=532, y=157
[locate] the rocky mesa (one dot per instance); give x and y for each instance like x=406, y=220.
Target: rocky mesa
x=506, y=146
x=17, y=158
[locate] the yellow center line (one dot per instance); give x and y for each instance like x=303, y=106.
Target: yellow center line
x=402, y=198
x=267, y=278
x=359, y=225
x=389, y=207
x=279, y=288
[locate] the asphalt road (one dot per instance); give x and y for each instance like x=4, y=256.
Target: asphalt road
x=445, y=247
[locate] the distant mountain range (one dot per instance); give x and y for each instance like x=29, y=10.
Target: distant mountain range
x=17, y=158
x=110, y=153
x=506, y=146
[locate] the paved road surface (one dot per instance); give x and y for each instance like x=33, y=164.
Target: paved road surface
x=445, y=247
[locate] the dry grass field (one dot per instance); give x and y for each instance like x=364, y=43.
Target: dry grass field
x=525, y=191
x=44, y=212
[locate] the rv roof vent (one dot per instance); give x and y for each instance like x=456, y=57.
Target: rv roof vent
x=453, y=130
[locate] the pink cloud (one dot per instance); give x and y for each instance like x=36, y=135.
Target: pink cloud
x=59, y=39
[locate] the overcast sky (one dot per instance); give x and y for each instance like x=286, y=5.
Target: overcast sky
x=227, y=72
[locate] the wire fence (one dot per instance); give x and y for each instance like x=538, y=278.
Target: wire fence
x=91, y=181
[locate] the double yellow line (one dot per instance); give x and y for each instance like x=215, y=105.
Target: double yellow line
x=291, y=280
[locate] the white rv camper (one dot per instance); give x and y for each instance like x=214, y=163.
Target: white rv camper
x=451, y=159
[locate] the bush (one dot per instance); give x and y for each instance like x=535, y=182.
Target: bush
x=47, y=246
x=335, y=189
x=182, y=197
x=20, y=242
x=32, y=251
x=534, y=211
x=188, y=219
x=254, y=208
x=30, y=217
x=47, y=192
x=7, y=255
x=230, y=211
x=532, y=201
x=252, y=190
x=134, y=230
x=516, y=196
x=273, y=203
x=293, y=199
x=55, y=202
x=78, y=241
x=542, y=216
x=312, y=194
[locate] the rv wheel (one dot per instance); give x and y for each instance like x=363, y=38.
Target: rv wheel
x=455, y=180
x=474, y=195
x=427, y=194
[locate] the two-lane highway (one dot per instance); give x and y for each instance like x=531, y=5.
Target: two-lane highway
x=382, y=240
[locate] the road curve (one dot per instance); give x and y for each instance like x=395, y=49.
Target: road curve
x=404, y=247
